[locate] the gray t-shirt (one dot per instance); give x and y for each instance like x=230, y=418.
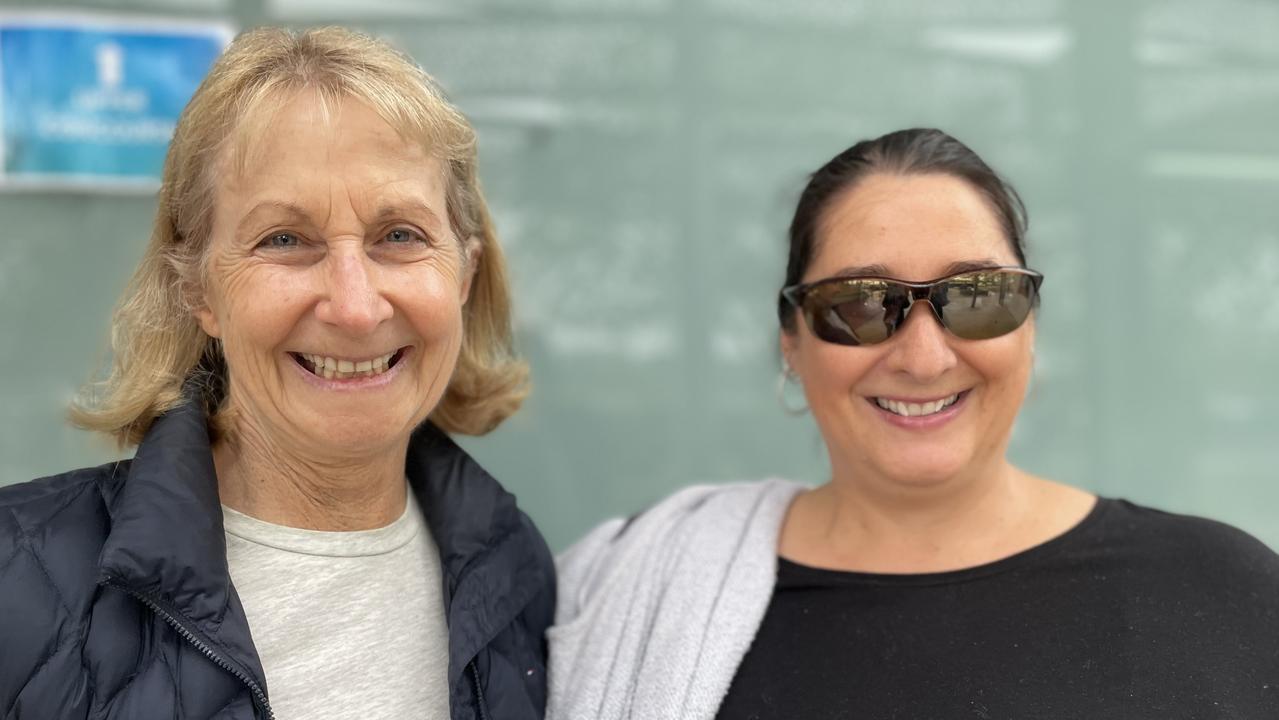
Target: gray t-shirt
x=348, y=624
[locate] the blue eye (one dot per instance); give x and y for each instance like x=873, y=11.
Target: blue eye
x=280, y=240
x=400, y=236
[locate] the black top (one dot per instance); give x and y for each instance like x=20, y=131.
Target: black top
x=1132, y=614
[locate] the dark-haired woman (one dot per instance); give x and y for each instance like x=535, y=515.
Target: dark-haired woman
x=929, y=577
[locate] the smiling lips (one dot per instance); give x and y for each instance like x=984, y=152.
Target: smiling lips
x=911, y=409
x=335, y=369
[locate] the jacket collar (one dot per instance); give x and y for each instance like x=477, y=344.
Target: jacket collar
x=167, y=544
x=494, y=560
x=167, y=540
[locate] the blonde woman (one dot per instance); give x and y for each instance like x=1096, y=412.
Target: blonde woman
x=322, y=301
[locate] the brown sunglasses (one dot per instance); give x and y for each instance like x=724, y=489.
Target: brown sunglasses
x=972, y=305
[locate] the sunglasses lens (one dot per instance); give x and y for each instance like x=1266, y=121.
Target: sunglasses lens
x=974, y=306
x=984, y=305
x=854, y=312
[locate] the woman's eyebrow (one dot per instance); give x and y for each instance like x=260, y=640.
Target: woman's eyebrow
x=412, y=208
x=966, y=265
x=877, y=270
x=292, y=212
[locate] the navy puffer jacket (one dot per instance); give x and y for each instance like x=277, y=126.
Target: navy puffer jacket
x=115, y=600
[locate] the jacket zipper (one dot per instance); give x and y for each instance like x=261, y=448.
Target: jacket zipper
x=259, y=696
x=479, y=692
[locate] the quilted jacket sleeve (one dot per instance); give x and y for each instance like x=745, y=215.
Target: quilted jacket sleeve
x=47, y=561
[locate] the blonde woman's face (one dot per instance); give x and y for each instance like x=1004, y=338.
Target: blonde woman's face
x=335, y=282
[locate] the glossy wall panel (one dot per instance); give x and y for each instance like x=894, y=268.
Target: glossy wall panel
x=642, y=158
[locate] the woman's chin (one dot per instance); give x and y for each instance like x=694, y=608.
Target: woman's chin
x=348, y=439
x=922, y=470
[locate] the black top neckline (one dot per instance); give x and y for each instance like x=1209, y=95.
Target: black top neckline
x=1132, y=613
x=791, y=574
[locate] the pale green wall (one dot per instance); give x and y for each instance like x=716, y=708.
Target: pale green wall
x=642, y=158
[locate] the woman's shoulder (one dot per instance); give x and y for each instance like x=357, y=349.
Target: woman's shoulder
x=654, y=587
x=702, y=524
x=57, y=522
x=44, y=499
x=717, y=509
x=1180, y=529
x=1189, y=545
x=51, y=533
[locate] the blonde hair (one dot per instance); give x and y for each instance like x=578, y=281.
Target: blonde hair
x=160, y=355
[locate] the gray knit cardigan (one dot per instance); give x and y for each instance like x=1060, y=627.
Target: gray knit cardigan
x=656, y=612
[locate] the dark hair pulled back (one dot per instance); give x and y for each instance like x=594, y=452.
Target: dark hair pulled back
x=916, y=151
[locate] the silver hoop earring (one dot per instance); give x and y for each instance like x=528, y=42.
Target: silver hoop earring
x=783, y=379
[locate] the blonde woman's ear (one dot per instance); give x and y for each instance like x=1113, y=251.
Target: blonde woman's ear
x=208, y=321
x=472, y=251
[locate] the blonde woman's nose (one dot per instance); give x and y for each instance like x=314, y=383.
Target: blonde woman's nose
x=353, y=302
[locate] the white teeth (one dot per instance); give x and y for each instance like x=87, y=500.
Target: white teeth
x=916, y=409
x=331, y=368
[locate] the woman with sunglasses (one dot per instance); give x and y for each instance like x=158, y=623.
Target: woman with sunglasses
x=929, y=577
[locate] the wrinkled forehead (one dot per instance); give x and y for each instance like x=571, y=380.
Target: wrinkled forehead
x=315, y=162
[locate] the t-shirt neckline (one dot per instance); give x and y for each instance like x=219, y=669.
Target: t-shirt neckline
x=792, y=574
x=327, y=543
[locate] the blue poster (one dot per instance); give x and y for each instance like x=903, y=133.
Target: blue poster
x=92, y=102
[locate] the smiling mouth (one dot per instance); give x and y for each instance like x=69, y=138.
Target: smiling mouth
x=910, y=409
x=334, y=369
